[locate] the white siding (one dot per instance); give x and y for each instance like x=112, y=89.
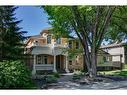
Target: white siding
x=116, y=51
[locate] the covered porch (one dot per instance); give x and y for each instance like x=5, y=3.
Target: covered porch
x=46, y=60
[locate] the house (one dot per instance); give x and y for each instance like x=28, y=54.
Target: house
x=117, y=51
x=116, y=56
x=47, y=53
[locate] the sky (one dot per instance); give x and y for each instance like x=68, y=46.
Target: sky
x=34, y=19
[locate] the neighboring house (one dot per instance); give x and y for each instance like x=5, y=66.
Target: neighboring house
x=117, y=51
x=47, y=53
x=116, y=56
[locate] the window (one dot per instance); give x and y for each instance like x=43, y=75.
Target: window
x=49, y=39
x=70, y=44
x=77, y=45
x=58, y=40
x=42, y=59
x=45, y=60
x=39, y=59
x=104, y=59
x=36, y=42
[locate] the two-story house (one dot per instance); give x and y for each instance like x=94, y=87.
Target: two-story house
x=47, y=52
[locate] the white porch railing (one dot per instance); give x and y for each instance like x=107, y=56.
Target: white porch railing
x=111, y=63
x=44, y=66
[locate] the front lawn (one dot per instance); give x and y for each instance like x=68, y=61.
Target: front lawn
x=122, y=72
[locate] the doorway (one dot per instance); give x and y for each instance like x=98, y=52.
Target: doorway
x=60, y=62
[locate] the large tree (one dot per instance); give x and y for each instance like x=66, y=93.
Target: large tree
x=90, y=23
x=11, y=36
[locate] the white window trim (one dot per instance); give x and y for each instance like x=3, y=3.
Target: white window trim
x=47, y=39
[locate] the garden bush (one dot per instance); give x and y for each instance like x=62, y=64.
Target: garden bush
x=14, y=74
x=51, y=79
x=77, y=75
x=57, y=75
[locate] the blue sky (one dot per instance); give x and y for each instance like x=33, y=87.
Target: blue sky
x=34, y=19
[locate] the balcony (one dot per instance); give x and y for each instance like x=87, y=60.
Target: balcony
x=50, y=49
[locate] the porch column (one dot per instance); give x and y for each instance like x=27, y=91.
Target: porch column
x=34, y=69
x=121, y=66
x=66, y=66
x=54, y=69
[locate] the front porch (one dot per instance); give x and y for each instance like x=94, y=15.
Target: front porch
x=44, y=62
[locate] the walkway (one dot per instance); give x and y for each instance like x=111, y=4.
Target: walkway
x=65, y=77
x=97, y=86
x=65, y=83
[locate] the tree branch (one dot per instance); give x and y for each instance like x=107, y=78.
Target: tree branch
x=79, y=23
x=104, y=25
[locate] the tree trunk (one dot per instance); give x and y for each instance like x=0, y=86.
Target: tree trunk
x=84, y=64
x=94, y=65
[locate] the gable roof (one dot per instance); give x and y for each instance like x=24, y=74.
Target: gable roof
x=113, y=45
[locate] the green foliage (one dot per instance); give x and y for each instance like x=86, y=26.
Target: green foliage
x=120, y=73
x=14, y=74
x=117, y=31
x=56, y=74
x=11, y=36
x=62, y=20
x=77, y=75
x=91, y=24
x=72, y=53
x=51, y=79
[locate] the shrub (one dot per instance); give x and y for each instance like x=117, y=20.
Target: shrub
x=80, y=73
x=51, y=79
x=77, y=75
x=57, y=75
x=14, y=74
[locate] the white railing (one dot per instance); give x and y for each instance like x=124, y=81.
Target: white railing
x=48, y=45
x=44, y=66
x=111, y=63
x=60, y=45
x=117, y=64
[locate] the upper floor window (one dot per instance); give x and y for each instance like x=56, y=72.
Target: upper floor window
x=49, y=39
x=77, y=45
x=58, y=40
x=70, y=44
x=36, y=42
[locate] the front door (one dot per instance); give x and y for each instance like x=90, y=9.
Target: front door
x=59, y=62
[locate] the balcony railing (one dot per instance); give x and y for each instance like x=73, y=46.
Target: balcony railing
x=110, y=64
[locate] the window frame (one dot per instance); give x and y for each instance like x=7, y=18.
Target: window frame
x=49, y=41
x=41, y=59
x=58, y=40
x=70, y=45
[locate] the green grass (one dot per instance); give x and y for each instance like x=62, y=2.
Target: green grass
x=122, y=72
